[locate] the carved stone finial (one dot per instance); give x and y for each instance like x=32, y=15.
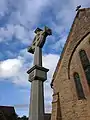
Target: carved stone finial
x=78, y=7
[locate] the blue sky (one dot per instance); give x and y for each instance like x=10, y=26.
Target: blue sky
x=18, y=20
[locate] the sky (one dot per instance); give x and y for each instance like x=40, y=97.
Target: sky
x=18, y=20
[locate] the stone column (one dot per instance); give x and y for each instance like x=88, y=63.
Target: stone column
x=38, y=56
x=37, y=75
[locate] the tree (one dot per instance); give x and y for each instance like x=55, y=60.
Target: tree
x=22, y=118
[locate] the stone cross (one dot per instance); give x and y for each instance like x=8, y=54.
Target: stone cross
x=39, y=39
x=37, y=75
x=78, y=7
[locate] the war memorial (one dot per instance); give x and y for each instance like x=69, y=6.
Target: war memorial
x=37, y=75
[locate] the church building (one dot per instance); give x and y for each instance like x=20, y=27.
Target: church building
x=71, y=79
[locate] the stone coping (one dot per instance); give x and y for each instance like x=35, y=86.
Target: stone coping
x=37, y=67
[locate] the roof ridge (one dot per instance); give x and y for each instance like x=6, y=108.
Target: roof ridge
x=7, y=106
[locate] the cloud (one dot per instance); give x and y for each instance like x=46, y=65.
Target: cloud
x=47, y=96
x=3, y=7
x=49, y=61
x=83, y=3
x=63, y=16
x=15, y=70
x=21, y=78
x=7, y=32
x=21, y=19
x=17, y=67
x=10, y=67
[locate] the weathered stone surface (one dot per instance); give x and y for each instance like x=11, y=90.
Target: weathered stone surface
x=40, y=38
x=71, y=108
x=37, y=75
x=37, y=72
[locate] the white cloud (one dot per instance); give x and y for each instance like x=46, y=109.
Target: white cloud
x=48, y=96
x=22, y=19
x=6, y=32
x=22, y=34
x=59, y=44
x=64, y=16
x=10, y=30
x=10, y=67
x=24, y=16
x=3, y=7
x=49, y=61
x=15, y=70
x=83, y=3
x=17, y=67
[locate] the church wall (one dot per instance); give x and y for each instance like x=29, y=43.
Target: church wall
x=81, y=107
x=70, y=107
x=63, y=86
x=76, y=65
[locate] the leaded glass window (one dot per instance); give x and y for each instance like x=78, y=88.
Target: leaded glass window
x=78, y=86
x=86, y=64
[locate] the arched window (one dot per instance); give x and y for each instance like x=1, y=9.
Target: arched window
x=78, y=85
x=86, y=64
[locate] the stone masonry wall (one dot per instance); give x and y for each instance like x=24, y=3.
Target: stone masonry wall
x=71, y=107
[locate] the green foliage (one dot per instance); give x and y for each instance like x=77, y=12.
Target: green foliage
x=22, y=118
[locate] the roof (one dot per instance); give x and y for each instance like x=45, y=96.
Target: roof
x=7, y=111
x=65, y=46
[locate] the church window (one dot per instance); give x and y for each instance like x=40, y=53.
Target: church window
x=78, y=86
x=86, y=64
